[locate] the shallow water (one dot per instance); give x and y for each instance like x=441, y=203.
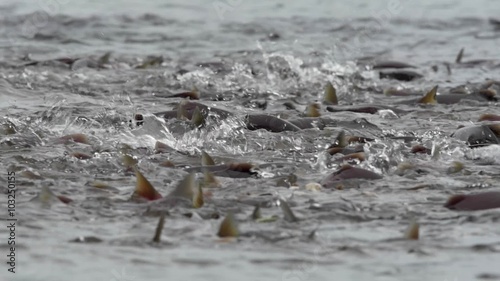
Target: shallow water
x=239, y=56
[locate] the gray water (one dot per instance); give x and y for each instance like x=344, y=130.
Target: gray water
x=240, y=53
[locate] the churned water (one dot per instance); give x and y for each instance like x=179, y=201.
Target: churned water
x=248, y=57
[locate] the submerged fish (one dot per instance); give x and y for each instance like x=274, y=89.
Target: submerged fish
x=269, y=122
x=479, y=135
x=401, y=75
x=348, y=172
x=474, y=202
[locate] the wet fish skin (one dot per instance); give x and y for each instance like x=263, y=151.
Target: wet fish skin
x=362, y=109
x=144, y=189
x=401, y=75
x=159, y=229
x=330, y=96
x=228, y=227
x=312, y=110
x=474, y=202
x=347, y=172
x=185, y=188
x=477, y=135
x=359, y=156
x=460, y=56
x=418, y=148
x=256, y=213
x=430, y=97
x=224, y=170
x=481, y=96
x=308, y=123
x=288, y=214
x=391, y=64
x=189, y=108
x=412, y=233
x=269, y=123
x=489, y=117
x=79, y=138
x=345, y=150
x=161, y=147
x=198, y=200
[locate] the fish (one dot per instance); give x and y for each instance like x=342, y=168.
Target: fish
x=459, y=59
x=481, y=135
x=482, y=95
x=231, y=170
x=460, y=55
x=330, y=96
x=401, y=75
x=345, y=150
x=150, y=61
x=489, y=117
x=370, y=109
x=418, y=148
x=46, y=198
x=474, y=202
x=79, y=138
x=209, y=180
x=228, y=227
x=104, y=59
x=391, y=64
x=412, y=233
x=194, y=94
x=399, y=92
x=256, y=213
x=269, y=123
x=159, y=229
x=430, y=97
x=198, y=199
x=185, y=188
x=161, y=147
x=347, y=172
x=352, y=157
x=197, y=118
x=188, y=108
x=288, y=214
x=144, y=189
x=206, y=160
x=312, y=110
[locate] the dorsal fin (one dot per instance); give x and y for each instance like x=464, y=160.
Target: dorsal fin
x=412, y=232
x=459, y=56
x=430, y=97
x=181, y=111
x=198, y=200
x=185, y=188
x=330, y=94
x=228, y=227
x=287, y=211
x=144, y=188
x=312, y=110
x=159, y=229
x=197, y=119
x=206, y=159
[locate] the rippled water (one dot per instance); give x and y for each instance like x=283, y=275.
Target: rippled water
x=242, y=55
